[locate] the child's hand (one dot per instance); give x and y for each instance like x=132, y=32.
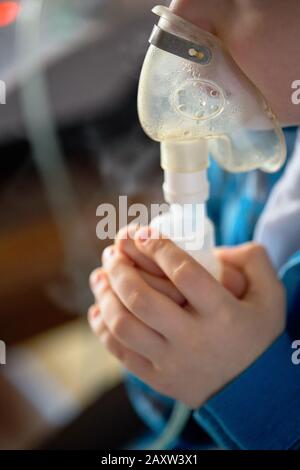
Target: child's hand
x=191, y=352
x=232, y=278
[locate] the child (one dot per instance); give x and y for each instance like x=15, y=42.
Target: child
x=224, y=348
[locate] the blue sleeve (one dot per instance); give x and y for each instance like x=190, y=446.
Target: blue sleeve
x=261, y=408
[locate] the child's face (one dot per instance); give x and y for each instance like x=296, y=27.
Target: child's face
x=263, y=37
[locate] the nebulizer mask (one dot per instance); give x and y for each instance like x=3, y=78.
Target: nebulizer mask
x=196, y=101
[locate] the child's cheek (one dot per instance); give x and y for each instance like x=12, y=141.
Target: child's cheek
x=264, y=44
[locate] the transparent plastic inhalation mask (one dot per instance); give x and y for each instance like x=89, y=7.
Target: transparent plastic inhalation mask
x=191, y=89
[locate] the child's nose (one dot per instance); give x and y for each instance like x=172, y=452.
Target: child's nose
x=195, y=12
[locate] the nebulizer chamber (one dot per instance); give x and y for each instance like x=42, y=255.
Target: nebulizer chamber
x=196, y=101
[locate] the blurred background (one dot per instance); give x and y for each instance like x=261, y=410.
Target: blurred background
x=69, y=141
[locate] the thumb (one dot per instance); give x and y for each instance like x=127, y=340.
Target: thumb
x=251, y=261
x=233, y=277
x=233, y=280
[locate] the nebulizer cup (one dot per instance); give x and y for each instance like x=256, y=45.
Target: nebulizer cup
x=196, y=101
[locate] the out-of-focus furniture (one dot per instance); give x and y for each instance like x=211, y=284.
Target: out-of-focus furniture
x=51, y=380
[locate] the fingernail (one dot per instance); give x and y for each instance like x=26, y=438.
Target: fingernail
x=95, y=312
x=144, y=234
x=108, y=253
x=132, y=231
x=94, y=277
x=101, y=281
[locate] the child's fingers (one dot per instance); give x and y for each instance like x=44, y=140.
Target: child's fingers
x=95, y=320
x=233, y=280
x=253, y=260
x=98, y=281
x=150, y=306
x=126, y=328
x=132, y=361
x=130, y=331
x=101, y=324
x=125, y=242
x=232, y=277
x=111, y=344
x=164, y=286
x=200, y=289
x=248, y=257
